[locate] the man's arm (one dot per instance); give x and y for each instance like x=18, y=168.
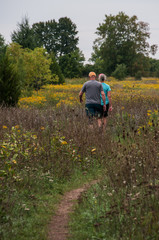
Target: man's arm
x=80, y=96
x=103, y=98
x=110, y=100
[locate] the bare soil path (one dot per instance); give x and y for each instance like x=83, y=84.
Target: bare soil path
x=58, y=228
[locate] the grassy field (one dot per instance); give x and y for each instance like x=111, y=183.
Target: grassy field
x=47, y=148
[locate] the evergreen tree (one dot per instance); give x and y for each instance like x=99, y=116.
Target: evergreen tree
x=2, y=47
x=24, y=35
x=10, y=87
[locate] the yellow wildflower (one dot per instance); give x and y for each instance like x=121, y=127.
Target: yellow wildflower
x=4, y=126
x=34, y=137
x=14, y=162
x=93, y=150
x=42, y=128
x=63, y=142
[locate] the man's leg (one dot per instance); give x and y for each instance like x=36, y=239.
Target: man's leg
x=99, y=122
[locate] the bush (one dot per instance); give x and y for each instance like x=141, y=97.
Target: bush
x=138, y=75
x=10, y=87
x=120, y=71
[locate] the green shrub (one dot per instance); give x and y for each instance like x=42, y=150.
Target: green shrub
x=120, y=72
x=138, y=75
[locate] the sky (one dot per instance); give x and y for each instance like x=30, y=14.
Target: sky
x=86, y=14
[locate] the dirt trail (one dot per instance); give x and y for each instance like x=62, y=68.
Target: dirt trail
x=58, y=228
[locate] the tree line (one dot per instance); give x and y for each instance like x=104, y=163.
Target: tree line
x=48, y=52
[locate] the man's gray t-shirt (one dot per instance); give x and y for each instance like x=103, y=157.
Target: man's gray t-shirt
x=93, y=89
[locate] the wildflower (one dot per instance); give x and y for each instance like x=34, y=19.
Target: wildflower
x=3, y=146
x=42, y=128
x=122, y=108
x=63, y=142
x=4, y=126
x=17, y=126
x=34, y=137
x=150, y=123
x=15, y=162
x=93, y=150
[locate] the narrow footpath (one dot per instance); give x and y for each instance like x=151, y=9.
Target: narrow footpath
x=58, y=227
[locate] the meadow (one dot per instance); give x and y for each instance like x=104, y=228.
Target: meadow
x=48, y=148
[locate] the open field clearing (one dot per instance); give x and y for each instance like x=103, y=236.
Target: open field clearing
x=47, y=148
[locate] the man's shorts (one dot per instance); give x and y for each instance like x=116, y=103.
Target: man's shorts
x=94, y=110
x=105, y=113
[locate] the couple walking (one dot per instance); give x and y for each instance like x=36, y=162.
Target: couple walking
x=98, y=98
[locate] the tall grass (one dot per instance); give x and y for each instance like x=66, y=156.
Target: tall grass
x=43, y=148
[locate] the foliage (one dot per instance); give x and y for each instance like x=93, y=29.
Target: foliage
x=24, y=35
x=120, y=71
x=55, y=69
x=57, y=37
x=37, y=165
x=32, y=65
x=72, y=64
x=2, y=46
x=10, y=85
x=154, y=67
x=121, y=41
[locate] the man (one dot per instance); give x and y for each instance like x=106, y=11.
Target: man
x=93, y=90
x=107, y=90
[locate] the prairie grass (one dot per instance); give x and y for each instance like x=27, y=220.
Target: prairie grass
x=48, y=145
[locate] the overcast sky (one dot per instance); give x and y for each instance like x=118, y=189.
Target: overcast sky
x=86, y=14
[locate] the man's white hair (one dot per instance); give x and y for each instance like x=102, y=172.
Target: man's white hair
x=102, y=77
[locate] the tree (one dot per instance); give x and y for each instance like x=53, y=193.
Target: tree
x=122, y=39
x=24, y=35
x=10, y=87
x=68, y=39
x=72, y=64
x=57, y=37
x=56, y=70
x=154, y=67
x=35, y=65
x=46, y=35
x=2, y=46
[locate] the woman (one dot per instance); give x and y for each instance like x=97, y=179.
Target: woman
x=107, y=90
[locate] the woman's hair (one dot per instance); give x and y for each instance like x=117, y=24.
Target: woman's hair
x=102, y=77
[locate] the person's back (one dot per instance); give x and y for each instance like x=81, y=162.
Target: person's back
x=92, y=90
x=106, y=89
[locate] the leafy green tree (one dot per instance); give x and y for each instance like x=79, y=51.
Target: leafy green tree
x=154, y=67
x=58, y=37
x=72, y=64
x=37, y=68
x=46, y=35
x=10, y=86
x=34, y=64
x=121, y=39
x=56, y=70
x=24, y=35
